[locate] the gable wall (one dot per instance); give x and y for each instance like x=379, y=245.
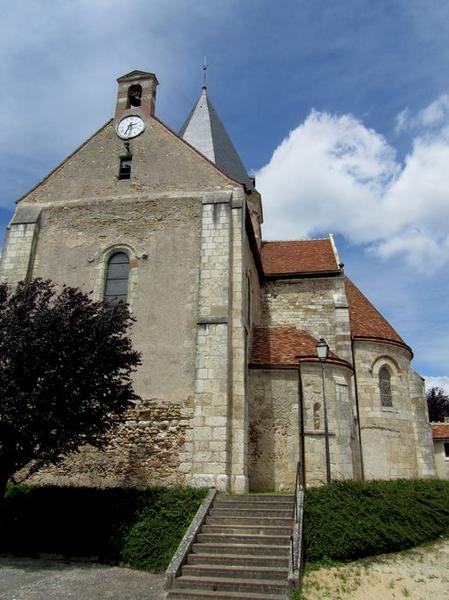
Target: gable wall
x=161, y=163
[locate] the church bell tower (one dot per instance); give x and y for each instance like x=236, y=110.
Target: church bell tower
x=136, y=94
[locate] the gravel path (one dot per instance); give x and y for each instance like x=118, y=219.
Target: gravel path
x=38, y=579
x=421, y=573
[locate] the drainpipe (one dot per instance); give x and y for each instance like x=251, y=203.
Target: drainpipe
x=362, y=468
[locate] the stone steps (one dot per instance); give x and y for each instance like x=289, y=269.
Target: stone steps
x=248, y=572
x=185, y=594
x=246, y=529
x=250, y=549
x=232, y=584
x=242, y=560
x=228, y=520
x=250, y=512
x=243, y=538
x=242, y=551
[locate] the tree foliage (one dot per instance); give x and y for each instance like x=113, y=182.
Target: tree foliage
x=66, y=364
x=438, y=404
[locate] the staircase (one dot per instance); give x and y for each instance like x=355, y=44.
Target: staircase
x=242, y=551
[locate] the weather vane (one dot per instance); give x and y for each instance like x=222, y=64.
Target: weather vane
x=204, y=67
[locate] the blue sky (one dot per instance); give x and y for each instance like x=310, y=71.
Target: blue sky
x=340, y=108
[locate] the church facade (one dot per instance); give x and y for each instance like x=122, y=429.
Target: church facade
x=227, y=324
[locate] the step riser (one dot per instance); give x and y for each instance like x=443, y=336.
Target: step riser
x=239, y=512
x=237, y=573
x=243, y=539
x=250, y=586
x=241, y=549
x=256, y=505
x=220, y=529
x=238, y=561
x=248, y=521
x=255, y=498
x=205, y=595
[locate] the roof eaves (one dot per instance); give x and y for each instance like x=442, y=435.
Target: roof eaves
x=369, y=338
x=302, y=359
x=303, y=274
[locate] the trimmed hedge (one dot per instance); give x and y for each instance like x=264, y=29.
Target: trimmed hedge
x=349, y=520
x=137, y=528
x=142, y=528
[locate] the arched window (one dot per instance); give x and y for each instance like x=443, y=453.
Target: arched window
x=116, y=288
x=385, y=387
x=134, y=95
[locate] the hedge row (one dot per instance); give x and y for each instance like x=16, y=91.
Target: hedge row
x=141, y=529
x=349, y=520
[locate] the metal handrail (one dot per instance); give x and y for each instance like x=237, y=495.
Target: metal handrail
x=296, y=559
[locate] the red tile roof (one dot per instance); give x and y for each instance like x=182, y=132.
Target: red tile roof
x=317, y=257
x=366, y=321
x=306, y=256
x=285, y=346
x=440, y=431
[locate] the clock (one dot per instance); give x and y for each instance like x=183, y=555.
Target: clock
x=130, y=127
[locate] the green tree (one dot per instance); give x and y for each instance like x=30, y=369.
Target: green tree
x=66, y=365
x=438, y=404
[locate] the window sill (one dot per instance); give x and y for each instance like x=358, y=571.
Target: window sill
x=389, y=409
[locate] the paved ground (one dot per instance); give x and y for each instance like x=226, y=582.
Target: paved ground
x=420, y=574
x=38, y=579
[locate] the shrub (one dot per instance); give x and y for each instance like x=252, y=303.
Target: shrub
x=349, y=520
x=138, y=528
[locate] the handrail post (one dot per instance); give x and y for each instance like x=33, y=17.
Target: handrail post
x=296, y=557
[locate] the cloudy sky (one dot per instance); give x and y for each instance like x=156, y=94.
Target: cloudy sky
x=341, y=109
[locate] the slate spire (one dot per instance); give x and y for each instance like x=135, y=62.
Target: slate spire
x=204, y=130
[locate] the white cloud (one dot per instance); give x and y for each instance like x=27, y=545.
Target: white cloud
x=433, y=116
x=441, y=382
x=334, y=174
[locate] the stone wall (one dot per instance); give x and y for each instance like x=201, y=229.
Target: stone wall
x=220, y=414
x=16, y=259
x=162, y=239
x=273, y=430
x=343, y=440
x=274, y=426
x=441, y=462
x=389, y=440
x=316, y=305
x=150, y=448
x=161, y=163
x=423, y=432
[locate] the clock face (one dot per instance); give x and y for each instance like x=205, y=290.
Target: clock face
x=130, y=126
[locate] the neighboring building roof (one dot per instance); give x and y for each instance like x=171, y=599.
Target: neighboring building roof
x=303, y=257
x=440, y=431
x=285, y=346
x=204, y=131
x=366, y=321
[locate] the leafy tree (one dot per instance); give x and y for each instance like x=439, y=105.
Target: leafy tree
x=66, y=364
x=438, y=404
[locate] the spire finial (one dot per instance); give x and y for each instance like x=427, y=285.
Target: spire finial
x=204, y=67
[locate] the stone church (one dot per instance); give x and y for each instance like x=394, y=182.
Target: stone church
x=227, y=324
